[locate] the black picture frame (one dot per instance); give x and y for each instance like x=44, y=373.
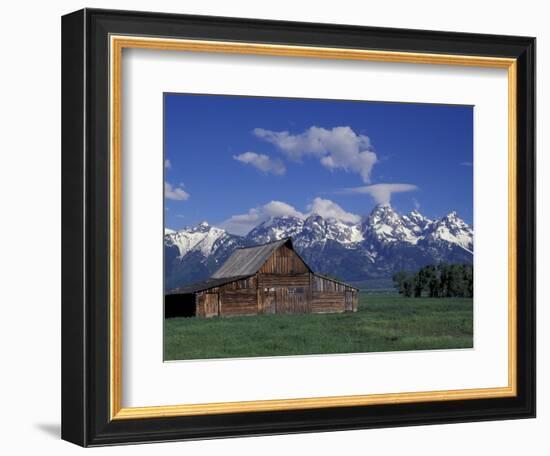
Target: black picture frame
x=85, y=228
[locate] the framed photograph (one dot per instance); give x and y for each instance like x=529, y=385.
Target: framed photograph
x=278, y=227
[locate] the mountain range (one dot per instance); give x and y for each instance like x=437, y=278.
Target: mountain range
x=381, y=244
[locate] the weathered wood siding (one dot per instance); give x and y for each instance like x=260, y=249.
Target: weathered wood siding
x=283, y=280
x=285, y=300
x=233, y=298
x=207, y=304
x=238, y=302
x=325, y=284
x=267, y=301
x=292, y=300
x=330, y=296
x=328, y=302
x=284, y=261
x=284, y=293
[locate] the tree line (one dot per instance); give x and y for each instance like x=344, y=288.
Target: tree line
x=441, y=281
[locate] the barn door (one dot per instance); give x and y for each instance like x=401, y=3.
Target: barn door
x=297, y=299
x=211, y=304
x=270, y=301
x=349, y=301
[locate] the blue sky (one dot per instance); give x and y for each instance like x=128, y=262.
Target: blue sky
x=234, y=161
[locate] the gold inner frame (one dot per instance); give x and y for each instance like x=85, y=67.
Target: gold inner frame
x=117, y=44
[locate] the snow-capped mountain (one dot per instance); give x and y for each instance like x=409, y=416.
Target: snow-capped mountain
x=194, y=253
x=314, y=230
x=450, y=231
x=195, y=238
x=387, y=226
x=415, y=221
x=381, y=244
x=276, y=228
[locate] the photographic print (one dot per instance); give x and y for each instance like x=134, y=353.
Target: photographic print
x=300, y=196
x=312, y=226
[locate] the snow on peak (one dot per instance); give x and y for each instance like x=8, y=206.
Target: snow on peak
x=386, y=225
x=416, y=222
x=201, y=237
x=318, y=230
x=454, y=230
x=276, y=228
x=417, y=217
x=314, y=230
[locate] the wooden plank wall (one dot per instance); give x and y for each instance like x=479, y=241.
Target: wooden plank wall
x=330, y=296
x=324, y=284
x=238, y=302
x=292, y=301
x=283, y=280
x=207, y=305
x=328, y=301
x=200, y=305
x=284, y=261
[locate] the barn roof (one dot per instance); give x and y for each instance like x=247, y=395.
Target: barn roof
x=332, y=279
x=247, y=261
x=205, y=285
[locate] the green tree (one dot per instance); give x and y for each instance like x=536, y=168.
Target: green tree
x=404, y=283
x=430, y=280
x=444, y=280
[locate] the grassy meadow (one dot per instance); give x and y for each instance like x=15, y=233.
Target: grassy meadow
x=383, y=322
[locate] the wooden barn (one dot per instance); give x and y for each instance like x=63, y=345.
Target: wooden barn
x=265, y=279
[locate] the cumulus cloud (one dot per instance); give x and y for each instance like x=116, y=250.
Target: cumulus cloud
x=381, y=193
x=262, y=162
x=175, y=193
x=336, y=148
x=329, y=209
x=242, y=223
x=167, y=164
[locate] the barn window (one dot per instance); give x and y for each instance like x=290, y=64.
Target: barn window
x=242, y=284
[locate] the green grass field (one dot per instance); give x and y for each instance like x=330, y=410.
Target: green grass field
x=382, y=323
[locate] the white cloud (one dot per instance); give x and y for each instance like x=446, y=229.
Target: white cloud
x=467, y=164
x=381, y=193
x=243, y=223
x=262, y=162
x=167, y=164
x=337, y=148
x=329, y=209
x=175, y=193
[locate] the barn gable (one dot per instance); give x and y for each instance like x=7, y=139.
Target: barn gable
x=248, y=261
